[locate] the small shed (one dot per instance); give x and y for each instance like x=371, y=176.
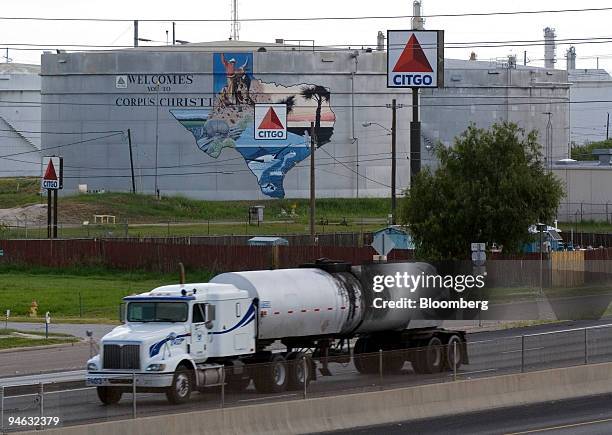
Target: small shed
x=389, y=238
x=267, y=241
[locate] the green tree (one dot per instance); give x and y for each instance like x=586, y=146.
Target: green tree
x=489, y=187
x=585, y=152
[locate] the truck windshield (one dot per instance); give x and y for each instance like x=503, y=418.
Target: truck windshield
x=157, y=312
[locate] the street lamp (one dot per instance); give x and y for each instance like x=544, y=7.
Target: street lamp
x=369, y=124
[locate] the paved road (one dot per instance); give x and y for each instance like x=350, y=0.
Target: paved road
x=492, y=353
x=34, y=360
x=584, y=416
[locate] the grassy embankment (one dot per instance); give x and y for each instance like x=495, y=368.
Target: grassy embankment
x=144, y=215
x=80, y=295
x=13, y=338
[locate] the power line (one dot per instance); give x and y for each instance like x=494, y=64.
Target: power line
x=354, y=45
x=222, y=172
x=320, y=18
x=322, y=48
x=364, y=106
x=59, y=146
x=60, y=132
x=352, y=170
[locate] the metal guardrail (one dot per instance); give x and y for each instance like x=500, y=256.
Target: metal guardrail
x=73, y=404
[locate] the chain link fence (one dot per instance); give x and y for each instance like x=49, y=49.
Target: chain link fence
x=301, y=375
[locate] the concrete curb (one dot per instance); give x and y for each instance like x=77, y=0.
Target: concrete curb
x=363, y=409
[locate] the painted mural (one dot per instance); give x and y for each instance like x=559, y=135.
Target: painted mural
x=229, y=122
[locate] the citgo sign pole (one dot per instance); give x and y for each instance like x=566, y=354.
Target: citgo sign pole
x=415, y=59
x=52, y=180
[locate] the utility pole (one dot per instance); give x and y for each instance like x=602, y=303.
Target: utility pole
x=135, y=33
x=54, y=213
x=393, y=160
x=312, y=182
x=131, y=161
x=49, y=214
x=156, y=138
x=173, y=33
x=415, y=137
x=608, y=127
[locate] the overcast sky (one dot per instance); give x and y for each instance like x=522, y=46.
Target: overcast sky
x=356, y=33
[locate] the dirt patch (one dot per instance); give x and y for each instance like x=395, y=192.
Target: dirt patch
x=35, y=214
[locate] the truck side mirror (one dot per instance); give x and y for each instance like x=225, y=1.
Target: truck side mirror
x=122, y=316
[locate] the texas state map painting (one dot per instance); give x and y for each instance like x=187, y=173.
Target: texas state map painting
x=229, y=122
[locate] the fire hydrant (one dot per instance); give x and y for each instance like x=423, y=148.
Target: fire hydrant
x=34, y=308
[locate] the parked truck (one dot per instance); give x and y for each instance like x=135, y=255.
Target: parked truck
x=277, y=328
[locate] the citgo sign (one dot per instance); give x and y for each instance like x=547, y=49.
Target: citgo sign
x=270, y=121
x=415, y=59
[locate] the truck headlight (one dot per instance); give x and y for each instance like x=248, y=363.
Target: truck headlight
x=156, y=367
x=92, y=367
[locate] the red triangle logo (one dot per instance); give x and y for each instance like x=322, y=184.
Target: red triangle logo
x=50, y=173
x=271, y=121
x=413, y=58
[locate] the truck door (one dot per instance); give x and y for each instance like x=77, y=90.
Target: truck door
x=199, y=333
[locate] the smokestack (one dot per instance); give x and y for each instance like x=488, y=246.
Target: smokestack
x=380, y=41
x=135, y=33
x=571, y=58
x=549, y=48
x=418, y=22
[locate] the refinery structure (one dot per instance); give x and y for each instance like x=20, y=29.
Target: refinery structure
x=193, y=133
x=181, y=118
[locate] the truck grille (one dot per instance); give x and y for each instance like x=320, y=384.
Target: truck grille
x=121, y=357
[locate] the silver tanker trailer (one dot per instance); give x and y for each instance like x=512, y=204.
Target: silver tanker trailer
x=278, y=328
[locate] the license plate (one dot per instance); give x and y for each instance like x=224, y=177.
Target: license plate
x=97, y=381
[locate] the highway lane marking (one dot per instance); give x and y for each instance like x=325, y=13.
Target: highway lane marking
x=51, y=392
x=519, y=350
x=565, y=426
x=475, y=371
x=267, y=398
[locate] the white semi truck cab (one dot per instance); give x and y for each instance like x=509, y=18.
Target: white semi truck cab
x=168, y=336
x=185, y=337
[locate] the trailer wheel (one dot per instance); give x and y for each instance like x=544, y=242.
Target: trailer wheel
x=109, y=395
x=273, y=376
x=430, y=357
x=450, y=352
x=365, y=357
x=182, y=385
x=297, y=376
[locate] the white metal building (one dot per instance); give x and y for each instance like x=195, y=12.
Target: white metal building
x=20, y=133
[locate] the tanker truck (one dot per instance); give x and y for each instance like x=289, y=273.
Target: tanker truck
x=278, y=328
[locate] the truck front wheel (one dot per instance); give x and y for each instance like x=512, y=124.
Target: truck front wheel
x=182, y=385
x=109, y=395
